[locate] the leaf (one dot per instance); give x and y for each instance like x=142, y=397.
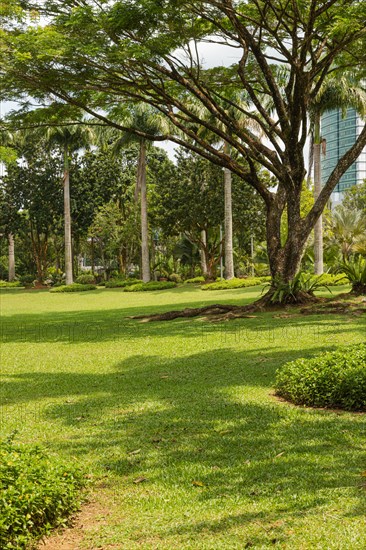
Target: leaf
x=198, y=484
x=136, y=452
x=280, y=454
x=140, y=480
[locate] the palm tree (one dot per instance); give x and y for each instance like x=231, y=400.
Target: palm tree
x=228, y=216
x=11, y=257
x=69, y=139
x=228, y=209
x=342, y=93
x=8, y=154
x=349, y=228
x=147, y=122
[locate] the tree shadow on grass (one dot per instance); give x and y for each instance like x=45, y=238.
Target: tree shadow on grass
x=115, y=325
x=205, y=417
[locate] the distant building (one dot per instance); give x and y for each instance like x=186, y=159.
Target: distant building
x=340, y=132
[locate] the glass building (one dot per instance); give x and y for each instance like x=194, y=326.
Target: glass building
x=340, y=133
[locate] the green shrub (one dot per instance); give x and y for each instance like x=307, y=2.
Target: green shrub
x=86, y=279
x=329, y=279
x=236, y=283
x=175, y=278
x=355, y=271
x=55, y=276
x=13, y=284
x=194, y=280
x=333, y=379
x=75, y=287
x=298, y=289
x=38, y=493
x=153, y=285
x=27, y=280
x=121, y=283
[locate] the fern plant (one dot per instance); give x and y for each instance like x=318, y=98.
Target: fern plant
x=355, y=271
x=298, y=290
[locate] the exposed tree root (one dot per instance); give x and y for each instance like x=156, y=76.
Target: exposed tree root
x=311, y=305
x=223, y=312
x=212, y=310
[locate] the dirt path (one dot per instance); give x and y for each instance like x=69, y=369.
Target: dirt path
x=91, y=517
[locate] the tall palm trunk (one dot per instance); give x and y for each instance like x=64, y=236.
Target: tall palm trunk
x=67, y=219
x=11, y=257
x=318, y=228
x=202, y=253
x=141, y=177
x=228, y=246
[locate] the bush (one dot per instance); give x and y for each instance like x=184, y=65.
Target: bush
x=194, y=280
x=37, y=493
x=236, y=283
x=175, y=278
x=329, y=279
x=86, y=279
x=121, y=283
x=298, y=290
x=75, y=287
x=355, y=271
x=13, y=284
x=27, y=280
x=55, y=276
x=153, y=285
x=334, y=379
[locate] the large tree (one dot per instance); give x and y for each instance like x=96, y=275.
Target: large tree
x=69, y=139
x=94, y=55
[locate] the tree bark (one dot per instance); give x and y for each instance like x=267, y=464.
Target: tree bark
x=67, y=220
x=228, y=246
x=92, y=256
x=285, y=259
x=318, y=227
x=11, y=257
x=202, y=253
x=141, y=182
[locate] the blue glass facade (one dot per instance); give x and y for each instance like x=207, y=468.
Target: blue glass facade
x=340, y=133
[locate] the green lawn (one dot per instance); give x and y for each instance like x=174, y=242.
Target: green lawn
x=181, y=402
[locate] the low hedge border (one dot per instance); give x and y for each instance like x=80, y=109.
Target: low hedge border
x=151, y=286
x=236, y=283
x=75, y=287
x=38, y=493
x=13, y=284
x=336, y=379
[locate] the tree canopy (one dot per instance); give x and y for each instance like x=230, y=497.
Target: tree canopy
x=101, y=55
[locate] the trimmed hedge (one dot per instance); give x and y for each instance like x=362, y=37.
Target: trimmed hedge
x=194, y=280
x=236, y=283
x=37, y=493
x=13, y=284
x=153, y=285
x=121, y=283
x=75, y=287
x=334, y=379
x=329, y=279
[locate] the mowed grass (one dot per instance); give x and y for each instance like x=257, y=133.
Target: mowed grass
x=188, y=406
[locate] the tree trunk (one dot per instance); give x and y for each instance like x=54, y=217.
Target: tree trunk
x=202, y=253
x=285, y=260
x=11, y=257
x=92, y=255
x=67, y=220
x=141, y=181
x=318, y=228
x=228, y=246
